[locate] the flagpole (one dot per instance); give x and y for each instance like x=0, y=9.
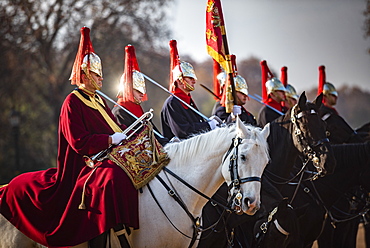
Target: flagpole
x=178, y=98
x=218, y=48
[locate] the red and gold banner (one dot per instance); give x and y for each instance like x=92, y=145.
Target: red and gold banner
x=217, y=47
x=216, y=34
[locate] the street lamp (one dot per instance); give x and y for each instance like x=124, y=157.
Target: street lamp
x=14, y=123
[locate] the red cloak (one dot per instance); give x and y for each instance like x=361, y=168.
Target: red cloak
x=44, y=204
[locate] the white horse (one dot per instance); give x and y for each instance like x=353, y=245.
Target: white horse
x=199, y=162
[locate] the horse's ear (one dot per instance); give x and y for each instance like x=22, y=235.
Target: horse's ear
x=302, y=100
x=318, y=101
x=242, y=130
x=266, y=131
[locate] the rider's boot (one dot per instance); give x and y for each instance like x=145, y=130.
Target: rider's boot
x=99, y=241
x=121, y=232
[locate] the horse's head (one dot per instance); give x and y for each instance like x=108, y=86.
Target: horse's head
x=247, y=157
x=309, y=134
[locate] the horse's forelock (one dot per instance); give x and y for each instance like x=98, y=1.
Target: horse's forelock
x=255, y=136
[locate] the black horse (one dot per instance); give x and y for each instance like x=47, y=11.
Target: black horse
x=300, y=132
x=321, y=195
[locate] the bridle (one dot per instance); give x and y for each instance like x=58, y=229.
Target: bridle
x=308, y=150
x=309, y=153
x=236, y=181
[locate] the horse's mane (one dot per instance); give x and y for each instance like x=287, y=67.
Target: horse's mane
x=351, y=154
x=206, y=141
x=209, y=141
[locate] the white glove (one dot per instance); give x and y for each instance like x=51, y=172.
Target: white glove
x=117, y=138
x=215, y=117
x=237, y=110
x=213, y=124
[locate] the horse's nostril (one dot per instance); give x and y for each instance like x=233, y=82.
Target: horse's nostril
x=248, y=201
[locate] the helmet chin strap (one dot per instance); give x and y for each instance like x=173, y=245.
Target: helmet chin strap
x=90, y=78
x=187, y=86
x=136, y=101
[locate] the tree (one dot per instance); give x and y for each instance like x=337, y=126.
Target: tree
x=38, y=43
x=367, y=21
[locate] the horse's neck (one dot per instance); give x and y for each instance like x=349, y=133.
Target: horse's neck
x=283, y=153
x=203, y=171
x=352, y=160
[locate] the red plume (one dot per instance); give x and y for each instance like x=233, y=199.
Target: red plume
x=284, y=75
x=265, y=75
x=322, y=79
x=174, y=61
x=85, y=47
x=216, y=83
x=233, y=64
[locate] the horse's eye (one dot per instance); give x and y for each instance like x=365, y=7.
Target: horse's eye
x=242, y=157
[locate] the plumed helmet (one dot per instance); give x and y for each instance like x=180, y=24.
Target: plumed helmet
x=274, y=84
x=241, y=84
x=86, y=59
x=329, y=89
x=92, y=62
x=183, y=69
x=266, y=74
x=179, y=69
x=291, y=92
x=132, y=78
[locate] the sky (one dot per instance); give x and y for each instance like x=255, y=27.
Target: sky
x=299, y=34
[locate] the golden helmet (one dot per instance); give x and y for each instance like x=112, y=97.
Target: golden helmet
x=329, y=89
x=183, y=69
x=94, y=61
x=138, y=81
x=240, y=83
x=274, y=84
x=291, y=92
